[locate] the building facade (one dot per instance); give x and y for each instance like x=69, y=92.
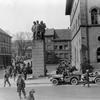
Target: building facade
x=5, y=49
x=85, y=28
x=58, y=44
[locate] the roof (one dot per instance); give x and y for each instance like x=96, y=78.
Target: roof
x=69, y=4
x=3, y=32
x=62, y=34
x=49, y=32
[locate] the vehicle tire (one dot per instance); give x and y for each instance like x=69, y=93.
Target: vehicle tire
x=97, y=81
x=74, y=81
x=55, y=82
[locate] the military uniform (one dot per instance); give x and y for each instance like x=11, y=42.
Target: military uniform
x=6, y=79
x=86, y=79
x=21, y=87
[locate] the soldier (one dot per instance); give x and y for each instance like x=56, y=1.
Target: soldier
x=37, y=30
x=25, y=73
x=42, y=29
x=6, y=78
x=86, y=79
x=21, y=86
x=14, y=73
x=34, y=30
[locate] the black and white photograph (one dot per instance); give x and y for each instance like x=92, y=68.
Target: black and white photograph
x=49, y=49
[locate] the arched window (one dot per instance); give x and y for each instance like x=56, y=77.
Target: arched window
x=98, y=54
x=94, y=16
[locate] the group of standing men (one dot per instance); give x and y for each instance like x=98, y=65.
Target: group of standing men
x=14, y=71
x=38, y=30
x=21, y=72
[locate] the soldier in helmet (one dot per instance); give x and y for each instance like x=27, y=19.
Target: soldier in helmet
x=21, y=86
x=86, y=78
x=42, y=29
x=6, y=78
x=37, y=30
x=34, y=30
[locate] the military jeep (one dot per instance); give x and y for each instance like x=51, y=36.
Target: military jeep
x=73, y=79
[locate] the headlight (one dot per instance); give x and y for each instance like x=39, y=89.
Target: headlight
x=62, y=78
x=51, y=79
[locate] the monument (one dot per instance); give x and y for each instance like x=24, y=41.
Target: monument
x=38, y=49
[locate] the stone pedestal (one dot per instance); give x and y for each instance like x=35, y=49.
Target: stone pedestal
x=38, y=58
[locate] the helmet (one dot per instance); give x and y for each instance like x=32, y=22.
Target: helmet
x=32, y=91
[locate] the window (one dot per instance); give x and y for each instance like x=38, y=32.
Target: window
x=94, y=19
x=66, y=47
x=49, y=47
x=66, y=55
x=98, y=54
x=60, y=47
x=56, y=54
x=55, y=47
x=61, y=55
x=3, y=50
x=48, y=40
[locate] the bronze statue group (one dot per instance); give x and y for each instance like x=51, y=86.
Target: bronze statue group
x=38, y=30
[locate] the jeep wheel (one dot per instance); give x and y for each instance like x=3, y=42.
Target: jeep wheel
x=55, y=81
x=97, y=81
x=74, y=81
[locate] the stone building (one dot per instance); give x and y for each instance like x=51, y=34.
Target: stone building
x=5, y=49
x=58, y=44
x=49, y=49
x=85, y=28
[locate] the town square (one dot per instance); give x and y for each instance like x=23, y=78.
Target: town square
x=50, y=50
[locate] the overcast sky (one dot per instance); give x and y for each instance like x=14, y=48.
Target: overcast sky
x=18, y=15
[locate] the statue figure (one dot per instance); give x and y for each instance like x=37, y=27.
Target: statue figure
x=34, y=30
x=38, y=30
x=42, y=29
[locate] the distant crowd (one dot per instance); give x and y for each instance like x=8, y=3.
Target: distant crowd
x=20, y=70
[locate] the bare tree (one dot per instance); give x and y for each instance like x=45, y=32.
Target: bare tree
x=22, y=39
